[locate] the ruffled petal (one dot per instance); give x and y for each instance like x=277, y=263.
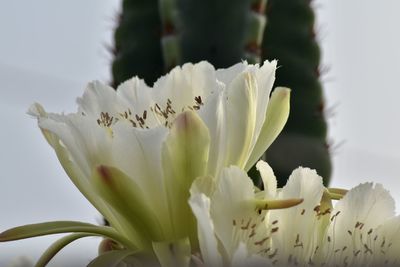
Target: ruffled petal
x=183, y=85
x=295, y=229
x=353, y=221
x=227, y=75
x=99, y=98
x=138, y=99
x=232, y=207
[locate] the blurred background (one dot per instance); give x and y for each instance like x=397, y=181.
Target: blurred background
x=50, y=49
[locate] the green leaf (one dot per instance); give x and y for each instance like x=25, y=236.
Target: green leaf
x=56, y=247
x=40, y=229
x=59, y=227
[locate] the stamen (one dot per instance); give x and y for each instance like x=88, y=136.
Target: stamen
x=106, y=121
x=263, y=204
x=198, y=100
x=261, y=242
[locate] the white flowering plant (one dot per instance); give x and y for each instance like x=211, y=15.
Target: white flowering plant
x=166, y=167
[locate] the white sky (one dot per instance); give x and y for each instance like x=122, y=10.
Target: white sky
x=50, y=49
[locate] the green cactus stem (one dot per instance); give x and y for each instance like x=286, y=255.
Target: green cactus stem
x=290, y=38
x=137, y=42
x=216, y=31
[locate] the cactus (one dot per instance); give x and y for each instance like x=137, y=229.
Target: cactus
x=290, y=38
x=154, y=36
x=137, y=48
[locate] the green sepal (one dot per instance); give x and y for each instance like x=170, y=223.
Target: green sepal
x=275, y=118
x=59, y=227
x=184, y=158
x=128, y=200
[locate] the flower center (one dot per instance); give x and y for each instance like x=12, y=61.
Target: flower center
x=155, y=115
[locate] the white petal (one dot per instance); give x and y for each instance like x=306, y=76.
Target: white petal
x=251, y=105
x=227, y=75
x=98, y=98
x=137, y=153
x=182, y=84
x=268, y=178
x=88, y=143
x=241, y=258
x=135, y=93
x=138, y=99
x=365, y=203
x=241, y=116
x=214, y=115
x=296, y=227
x=200, y=205
x=68, y=136
x=387, y=244
x=231, y=203
x=265, y=77
x=363, y=208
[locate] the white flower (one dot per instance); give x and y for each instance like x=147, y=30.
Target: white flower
x=360, y=230
x=363, y=230
x=135, y=152
x=231, y=216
